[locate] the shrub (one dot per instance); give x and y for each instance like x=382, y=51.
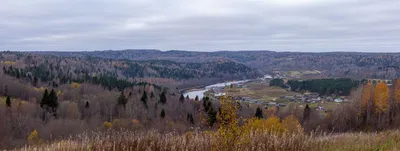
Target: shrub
x=107, y=125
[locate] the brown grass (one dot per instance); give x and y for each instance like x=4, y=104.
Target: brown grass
x=203, y=141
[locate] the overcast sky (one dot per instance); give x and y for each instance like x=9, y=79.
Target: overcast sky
x=201, y=25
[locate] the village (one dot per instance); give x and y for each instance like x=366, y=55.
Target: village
x=258, y=92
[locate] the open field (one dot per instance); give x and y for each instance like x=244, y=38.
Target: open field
x=261, y=91
x=264, y=92
x=204, y=141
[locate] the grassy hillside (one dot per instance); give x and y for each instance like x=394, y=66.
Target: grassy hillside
x=202, y=141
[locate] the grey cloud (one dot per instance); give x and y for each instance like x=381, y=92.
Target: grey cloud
x=207, y=25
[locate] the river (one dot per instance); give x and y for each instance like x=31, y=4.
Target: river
x=200, y=92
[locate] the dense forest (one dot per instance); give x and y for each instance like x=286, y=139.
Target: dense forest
x=342, y=86
x=332, y=65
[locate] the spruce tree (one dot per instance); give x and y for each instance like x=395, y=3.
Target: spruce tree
x=306, y=113
x=182, y=98
x=212, y=116
x=190, y=118
x=53, y=100
x=163, y=98
x=162, y=113
x=8, y=101
x=144, y=99
x=196, y=98
x=87, y=104
x=151, y=95
x=45, y=99
x=122, y=100
x=49, y=102
x=259, y=113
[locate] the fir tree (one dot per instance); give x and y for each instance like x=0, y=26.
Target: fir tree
x=144, y=99
x=306, y=113
x=259, y=113
x=49, y=102
x=8, y=101
x=187, y=97
x=196, y=98
x=45, y=99
x=122, y=100
x=212, y=117
x=162, y=114
x=87, y=104
x=189, y=117
x=151, y=95
x=163, y=98
x=53, y=100
x=182, y=98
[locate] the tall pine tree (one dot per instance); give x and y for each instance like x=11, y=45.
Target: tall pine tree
x=49, y=102
x=163, y=98
x=8, y=101
x=162, y=114
x=306, y=113
x=259, y=113
x=45, y=99
x=182, y=98
x=87, y=104
x=122, y=100
x=144, y=99
x=53, y=100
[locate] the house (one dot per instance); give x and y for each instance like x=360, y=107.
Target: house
x=329, y=99
x=271, y=103
x=290, y=97
x=281, y=104
x=320, y=108
x=338, y=100
x=219, y=94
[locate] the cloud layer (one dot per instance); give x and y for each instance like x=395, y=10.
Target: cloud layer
x=206, y=25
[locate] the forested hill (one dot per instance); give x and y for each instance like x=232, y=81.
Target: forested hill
x=60, y=69
x=332, y=64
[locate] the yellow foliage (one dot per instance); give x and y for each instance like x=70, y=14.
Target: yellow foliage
x=381, y=97
x=41, y=89
x=8, y=62
x=291, y=125
x=75, y=85
x=229, y=132
x=188, y=135
x=33, y=138
x=34, y=135
x=59, y=93
x=107, y=125
x=135, y=122
x=396, y=91
x=273, y=122
x=366, y=95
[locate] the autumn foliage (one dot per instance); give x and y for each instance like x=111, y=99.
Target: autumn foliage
x=381, y=97
x=232, y=136
x=366, y=96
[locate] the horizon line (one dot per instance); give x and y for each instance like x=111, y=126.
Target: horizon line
x=168, y=50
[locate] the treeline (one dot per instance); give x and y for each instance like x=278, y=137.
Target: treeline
x=277, y=83
x=341, y=86
x=183, y=71
x=55, y=77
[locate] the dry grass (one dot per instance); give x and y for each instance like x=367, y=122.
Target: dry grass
x=204, y=141
x=261, y=91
